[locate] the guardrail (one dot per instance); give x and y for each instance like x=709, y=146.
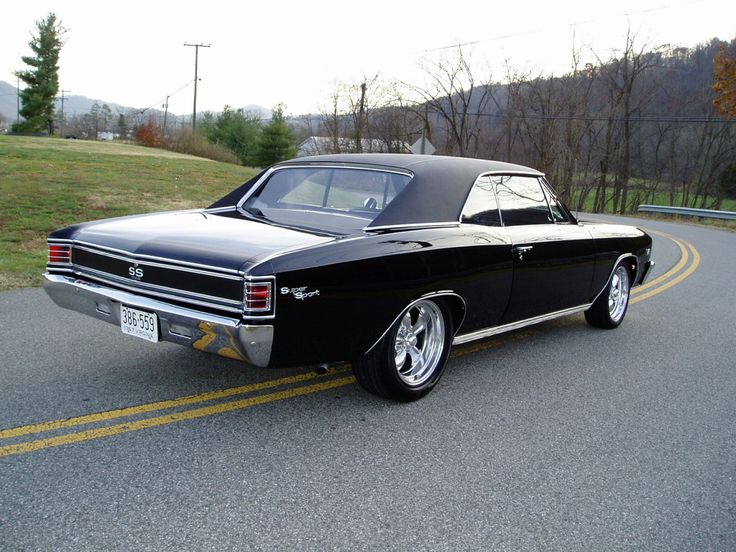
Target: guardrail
x=688, y=212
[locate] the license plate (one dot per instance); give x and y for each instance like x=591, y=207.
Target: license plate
x=139, y=323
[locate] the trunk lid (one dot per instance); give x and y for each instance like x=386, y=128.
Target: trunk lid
x=212, y=240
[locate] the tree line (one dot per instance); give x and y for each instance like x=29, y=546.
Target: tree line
x=647, y=125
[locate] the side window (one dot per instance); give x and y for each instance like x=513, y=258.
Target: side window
x=522, y=200
x=481, y=206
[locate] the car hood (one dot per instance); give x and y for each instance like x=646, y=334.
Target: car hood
x=214, y=240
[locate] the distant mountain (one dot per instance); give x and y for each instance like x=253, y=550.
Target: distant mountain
x=79, y=105
x=73, y=104
x=7, y=102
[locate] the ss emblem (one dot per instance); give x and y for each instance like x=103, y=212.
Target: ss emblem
x=135, y=272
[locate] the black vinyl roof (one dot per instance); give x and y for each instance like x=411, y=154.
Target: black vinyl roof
x=436, y=193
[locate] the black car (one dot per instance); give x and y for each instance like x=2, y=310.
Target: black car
x=379, y=259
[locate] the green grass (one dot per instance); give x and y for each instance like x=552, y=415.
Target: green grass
x=660, y=198
x=47, y=183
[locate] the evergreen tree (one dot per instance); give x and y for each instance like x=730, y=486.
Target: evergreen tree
x=42, y=79
x=277, y=141
x=235, y=129
x=122, y=126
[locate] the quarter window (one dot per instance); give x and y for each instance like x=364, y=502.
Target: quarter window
x=522, y=200
x=481, y=206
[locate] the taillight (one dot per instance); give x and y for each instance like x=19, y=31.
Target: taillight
x=258, y=296
x=60, y=254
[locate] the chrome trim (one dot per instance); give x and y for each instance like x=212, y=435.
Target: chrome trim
x=59, y=240
x=160, y=265
x=216, y=270
x=620, y=258
x=325, y=165
x=412, y=225
x=222, y=335
x=498, y=206
x=216, y=210
x=124, y=283
x=488, y=332
x=443, y=293
x=63, y=243
x=270, y=312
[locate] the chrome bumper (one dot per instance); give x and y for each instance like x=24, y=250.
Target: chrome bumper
x=221, y=335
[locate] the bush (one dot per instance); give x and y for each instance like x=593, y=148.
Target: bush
x=149, y=134
x=184, y=141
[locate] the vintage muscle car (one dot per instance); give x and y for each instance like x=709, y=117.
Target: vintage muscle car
x=382, y=260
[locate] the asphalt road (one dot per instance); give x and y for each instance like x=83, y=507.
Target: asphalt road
x=557, y=437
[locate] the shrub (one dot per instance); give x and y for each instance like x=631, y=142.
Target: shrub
x=149, y=134
x=184, y=141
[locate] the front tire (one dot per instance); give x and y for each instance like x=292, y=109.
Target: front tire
x=609, y=309
x=409, y=360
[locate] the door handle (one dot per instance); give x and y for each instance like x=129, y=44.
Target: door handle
x=521, y=249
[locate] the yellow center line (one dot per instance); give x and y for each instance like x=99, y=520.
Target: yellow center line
x=684, y=258
x=692, y=268
x=192, y=414
x=161, y=405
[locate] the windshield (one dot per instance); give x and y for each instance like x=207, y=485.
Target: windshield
x=330, y=199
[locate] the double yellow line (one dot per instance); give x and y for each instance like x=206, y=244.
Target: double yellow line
x=292, y=386
x=332, y=379
x=688, y=263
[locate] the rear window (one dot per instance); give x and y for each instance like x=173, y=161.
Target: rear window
x=330, y=199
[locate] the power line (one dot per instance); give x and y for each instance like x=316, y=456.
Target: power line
x=641, y=119
x=166, y=98
x=544, y=29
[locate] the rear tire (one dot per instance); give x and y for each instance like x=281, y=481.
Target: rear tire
x=609, y=309
x=409, y=360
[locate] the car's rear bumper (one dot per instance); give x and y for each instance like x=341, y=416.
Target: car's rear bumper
x=225, y=336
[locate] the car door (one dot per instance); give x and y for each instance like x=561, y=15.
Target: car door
x=486, y=281
x=553, y=258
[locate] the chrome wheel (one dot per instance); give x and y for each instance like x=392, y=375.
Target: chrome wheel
x=618, y=294
x=419, y=343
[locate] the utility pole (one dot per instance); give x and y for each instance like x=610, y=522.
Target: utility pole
x=196, y=60
x=62, y=121
x=425, y=130
x=166, y=114
x=17, y=102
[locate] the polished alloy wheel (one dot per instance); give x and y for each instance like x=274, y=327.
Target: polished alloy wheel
x=419, y=343
x=618, y=294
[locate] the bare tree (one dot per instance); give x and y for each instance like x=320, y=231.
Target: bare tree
x=454, y=94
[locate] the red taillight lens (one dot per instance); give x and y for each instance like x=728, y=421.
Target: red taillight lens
x=60, y=254
x=258, y=296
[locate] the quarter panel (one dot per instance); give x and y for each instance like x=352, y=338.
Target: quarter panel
x=334, y=302
x=610, y=242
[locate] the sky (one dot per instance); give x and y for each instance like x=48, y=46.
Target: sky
x=294, y=52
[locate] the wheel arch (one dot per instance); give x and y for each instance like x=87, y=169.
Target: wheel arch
x=632, y=265
x=455, y=304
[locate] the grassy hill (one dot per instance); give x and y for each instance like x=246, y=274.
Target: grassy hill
x=47, y=183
